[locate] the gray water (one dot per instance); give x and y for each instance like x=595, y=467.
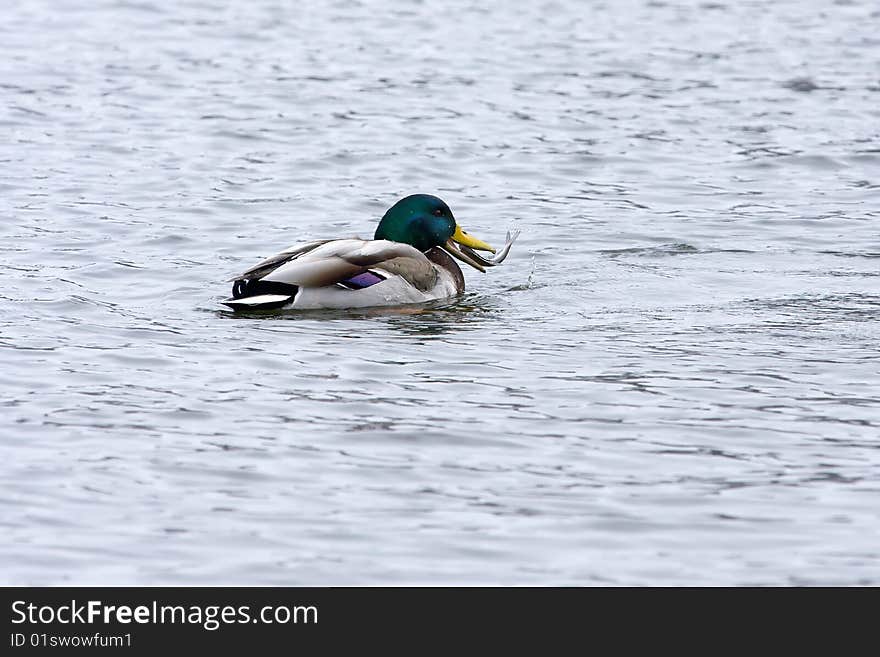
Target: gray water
x=673, y=379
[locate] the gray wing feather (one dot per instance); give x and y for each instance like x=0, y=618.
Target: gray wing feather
x=336, y=260
x=273, y=262
x=420, y=274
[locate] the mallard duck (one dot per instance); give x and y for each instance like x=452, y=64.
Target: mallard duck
x=407, y=261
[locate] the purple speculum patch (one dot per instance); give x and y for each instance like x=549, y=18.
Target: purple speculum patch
x=366, y=279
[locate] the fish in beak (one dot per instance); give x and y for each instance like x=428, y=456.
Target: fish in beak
x=470, y=243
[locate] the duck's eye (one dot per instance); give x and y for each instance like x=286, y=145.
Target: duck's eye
x=438, y=212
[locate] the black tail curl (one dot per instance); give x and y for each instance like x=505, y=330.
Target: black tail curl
x=252, y=287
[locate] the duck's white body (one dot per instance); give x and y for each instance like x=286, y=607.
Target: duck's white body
x=395, y=290
x=328, y=274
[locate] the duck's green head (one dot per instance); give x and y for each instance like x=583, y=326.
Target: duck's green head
x=425, y=221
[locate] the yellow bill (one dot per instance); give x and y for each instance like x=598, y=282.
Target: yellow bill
x=463, y=238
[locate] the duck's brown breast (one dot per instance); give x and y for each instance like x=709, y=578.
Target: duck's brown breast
x=442, y=259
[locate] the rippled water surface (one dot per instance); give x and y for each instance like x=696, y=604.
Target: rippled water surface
x=674, y=378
